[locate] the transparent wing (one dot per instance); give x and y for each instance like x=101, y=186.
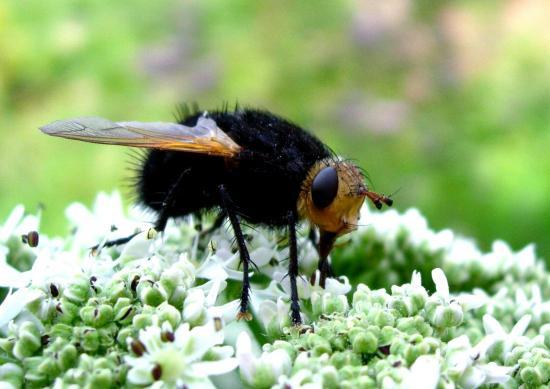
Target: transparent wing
x=205, y=137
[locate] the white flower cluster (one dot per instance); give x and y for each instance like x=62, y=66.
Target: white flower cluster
x=160, y=311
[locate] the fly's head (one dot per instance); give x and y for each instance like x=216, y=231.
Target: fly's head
x=331, y=198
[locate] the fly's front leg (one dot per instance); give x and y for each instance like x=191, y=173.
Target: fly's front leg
x=228, y=208
x=293, y=269
x=324, y=266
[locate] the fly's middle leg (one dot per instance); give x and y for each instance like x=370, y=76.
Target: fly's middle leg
x=228, y=208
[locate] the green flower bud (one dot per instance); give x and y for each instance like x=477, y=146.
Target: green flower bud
x=124, y=311
x=78, y=292
x=329, y=376
x=7, y=344
x=449, y=316
x=338, y=343
x=118, y=291
x=543, y=369
x=343, y=359
x=365, y=343
x=48, y=367
x=97, y=316
x=178, y=297
x=168, y=313
x=545, y=331
x=100, y=378
x=12, y=374
x=142, y=320
x=124, y=334
x=32, y=374
x=90, y=340
x=286, y=346
x=400, y=306
x=67, y=357
x=67, y=311
x=314, y=340
x=28, y=340
x=531, y=377
x=418, y=300
x=383, y=318
x=152, y=295
x=61, y=330
x=106, y=335
x=386, y=335
x=363, y=381
x=321, y=349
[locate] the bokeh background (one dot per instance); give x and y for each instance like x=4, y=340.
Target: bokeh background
x=447, y=101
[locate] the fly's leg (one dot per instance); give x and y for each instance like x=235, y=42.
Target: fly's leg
x=168, y=202
x=162, y=218
x=228, y=209
x=293, y=269
x=324, y=266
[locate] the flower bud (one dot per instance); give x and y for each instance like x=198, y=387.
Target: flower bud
x=167, y=313
x=329, y=376
x=96, y=315
x=447, y=316
x=341, y=359
x=142, y=320
x=28, y=340
x=152, y=295
x=531, y=377
x=383, y=318
x=124, y=334
x=10, y=373
x=67, y=357
x=124, y=311
x=77, y=292
x=365, y=343
x=90, y=339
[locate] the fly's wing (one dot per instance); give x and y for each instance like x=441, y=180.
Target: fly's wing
x=205, y=137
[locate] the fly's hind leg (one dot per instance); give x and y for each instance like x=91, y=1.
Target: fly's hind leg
x=162, y=218
x=228, y=209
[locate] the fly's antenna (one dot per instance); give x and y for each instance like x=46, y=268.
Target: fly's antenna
x=379, y=199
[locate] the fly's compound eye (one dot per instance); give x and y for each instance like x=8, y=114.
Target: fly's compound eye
x=324, y=187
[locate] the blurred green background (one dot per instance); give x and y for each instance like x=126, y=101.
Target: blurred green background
x=448, y=101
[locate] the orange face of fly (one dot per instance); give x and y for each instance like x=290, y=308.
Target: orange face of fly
x=331, y=198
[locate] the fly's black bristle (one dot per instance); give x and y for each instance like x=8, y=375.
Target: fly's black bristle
x=134, y=164
x=185, y=110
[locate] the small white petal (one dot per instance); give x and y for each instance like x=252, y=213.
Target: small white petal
x=441, y=284
x=215, y=367
x=14, y=303
x=247, y=361
x=424, y=373
x=11, y=277
x=472, y=378
x=213, y=292
x=416, y=279
x=496, y=374
x=11, y=223
x=492, y=326
x=521, y=326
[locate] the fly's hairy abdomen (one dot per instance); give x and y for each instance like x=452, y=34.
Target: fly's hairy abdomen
x=263, y=180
